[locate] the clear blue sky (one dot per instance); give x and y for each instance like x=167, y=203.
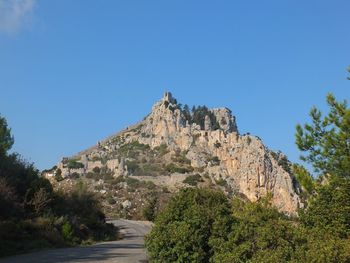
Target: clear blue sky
x=74, y=72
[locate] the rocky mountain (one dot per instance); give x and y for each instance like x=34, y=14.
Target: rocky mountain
x=176, y=147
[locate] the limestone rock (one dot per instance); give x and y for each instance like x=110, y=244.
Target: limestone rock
x=243, y=161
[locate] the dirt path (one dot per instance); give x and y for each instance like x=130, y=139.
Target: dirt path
x=128, y=250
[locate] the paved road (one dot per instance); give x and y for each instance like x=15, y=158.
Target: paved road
x=128, y=250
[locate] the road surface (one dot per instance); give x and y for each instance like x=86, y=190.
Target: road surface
x=130, y=249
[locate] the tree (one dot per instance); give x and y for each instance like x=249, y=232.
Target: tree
x=326, y=141
x=260, y=234
x=183, y=230
x=186, y=113
x=6, y=139
x=305, y=180
x=330, y=209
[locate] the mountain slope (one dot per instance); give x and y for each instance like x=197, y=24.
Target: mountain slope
x=174, y=147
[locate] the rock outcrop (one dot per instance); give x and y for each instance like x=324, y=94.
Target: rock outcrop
x=208, y=144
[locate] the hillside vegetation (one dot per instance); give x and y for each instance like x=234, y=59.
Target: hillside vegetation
x=33, y=215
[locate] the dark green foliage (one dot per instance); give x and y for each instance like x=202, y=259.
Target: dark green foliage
x=133, y=167
x=304, y=178
x=74, y=164
x=33, y=216
x=282, y=161
x=58, y=175
x=214, y=160
x=198, y=117
x=217, y=144
x=149, y=212
x=259, y=234
x=187, y=113
x=96, y=170
x=74, y=175
x=326, y=140
x=132, y=149
x=173, y=168
x=330, y=208
x=67, y=232
x=193, y=179
x=152, y=169
x=197, y=226
x=6, y=139
x=133, y=183
x=182, y=231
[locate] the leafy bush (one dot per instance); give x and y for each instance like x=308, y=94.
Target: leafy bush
x=173, y=168
x=74, y=164
x=214, y=161
x=67, y=232
x=149, y=212
x=133, y=166
x=96, y=170
x=183, y=230
x=198, y=117
x=33, y=216
x=193, y=179
x=58, y=175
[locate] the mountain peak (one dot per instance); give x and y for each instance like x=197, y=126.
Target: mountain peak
x=173, y=143
x=168, y=97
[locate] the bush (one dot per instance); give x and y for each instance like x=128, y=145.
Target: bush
x=173, y=168
x=149, y=212
x=96, y=170
x=67, y=232
x=214, y=161
x=133, y=183
x=74, y=164
x=133, y=167
x=183, y=230
x=193, y=179
x=58, y=175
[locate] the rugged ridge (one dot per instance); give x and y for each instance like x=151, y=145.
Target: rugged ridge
x=211, y=147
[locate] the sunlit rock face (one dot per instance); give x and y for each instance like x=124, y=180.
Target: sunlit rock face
x=215, y=149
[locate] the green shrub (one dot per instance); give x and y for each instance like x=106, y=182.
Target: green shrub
x=149, y=212
x=183, y=230
x=173, y=168
x=96, y=170
x=214, y=160
x=133, y=183
x=68, y=233
x=133, y=167
x=74, y=164
x=193, y=179
x=58, y=175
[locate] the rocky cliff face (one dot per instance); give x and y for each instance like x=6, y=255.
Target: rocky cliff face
x=172, y=143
